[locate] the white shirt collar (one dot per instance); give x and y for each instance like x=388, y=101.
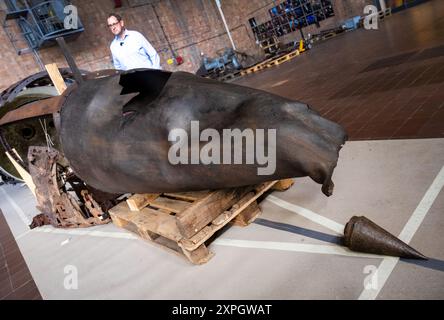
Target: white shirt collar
x=125, y=34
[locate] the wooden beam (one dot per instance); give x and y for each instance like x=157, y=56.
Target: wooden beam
x=283, y=185
x=23, y=173
x=201, y=213
x=157, y=222
x=188, y=196
x=17, y=154
x=198, y=256
x=139, y=201
x=247, y=216
x=56, y=77
x=172, y=205
x=145, y=221
x=32, y=110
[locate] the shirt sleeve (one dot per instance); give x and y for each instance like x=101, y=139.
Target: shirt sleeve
x=151, y=53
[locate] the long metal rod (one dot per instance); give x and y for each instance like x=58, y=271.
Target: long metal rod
x=38, y=59
x=219, y=6
x=69, y=58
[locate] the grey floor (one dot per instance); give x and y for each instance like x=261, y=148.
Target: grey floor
x=290, y=252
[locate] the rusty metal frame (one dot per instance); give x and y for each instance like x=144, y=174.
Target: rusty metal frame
x=9, y=94
x=59, y=207
x=32, y=110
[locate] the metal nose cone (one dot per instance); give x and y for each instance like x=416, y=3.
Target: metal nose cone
x=362, y=235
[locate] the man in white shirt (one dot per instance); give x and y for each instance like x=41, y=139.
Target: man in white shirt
x=130, y=49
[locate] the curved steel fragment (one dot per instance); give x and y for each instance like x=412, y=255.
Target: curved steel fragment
x=114, y=132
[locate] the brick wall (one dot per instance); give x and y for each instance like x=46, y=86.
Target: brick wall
x=192, y=27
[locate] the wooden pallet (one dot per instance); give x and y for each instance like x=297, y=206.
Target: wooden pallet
x=329, y=35
x=385, y=13
x=283, y=59
x=256, y=67
x=230, y=76
x=270, y=63
x=184, y=222
x=253, y=69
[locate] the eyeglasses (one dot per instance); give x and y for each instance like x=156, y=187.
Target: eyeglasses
x=113, y=24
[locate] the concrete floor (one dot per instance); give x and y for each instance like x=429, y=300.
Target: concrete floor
x=398, y=184
x=292, y=251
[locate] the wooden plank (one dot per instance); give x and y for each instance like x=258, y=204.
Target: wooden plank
x=56, y=77
x=121, y=215
x=172, y=205
x=265, y=186
x=131, y=227
x=189, y=196
x=198, y=256
x=199, y=238
x=283, y=185
x=157, y=222
x=247, y=216
x=219, y=222
x=122, y=211
x=147, y=220
x=140, y=201
x=167, y=245
x=23, y=173
x=164, y=211
x=148, y=235
x=201, y=213
x=284, y=58
x=17, y=154
x=222, y=218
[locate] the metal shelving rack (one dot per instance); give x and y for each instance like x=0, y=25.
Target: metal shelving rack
x=290, y=16
x=39, y=23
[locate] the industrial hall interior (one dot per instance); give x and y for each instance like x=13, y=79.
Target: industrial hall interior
x=208, y=150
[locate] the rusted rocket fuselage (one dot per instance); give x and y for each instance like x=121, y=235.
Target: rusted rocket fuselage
x=115, y=133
